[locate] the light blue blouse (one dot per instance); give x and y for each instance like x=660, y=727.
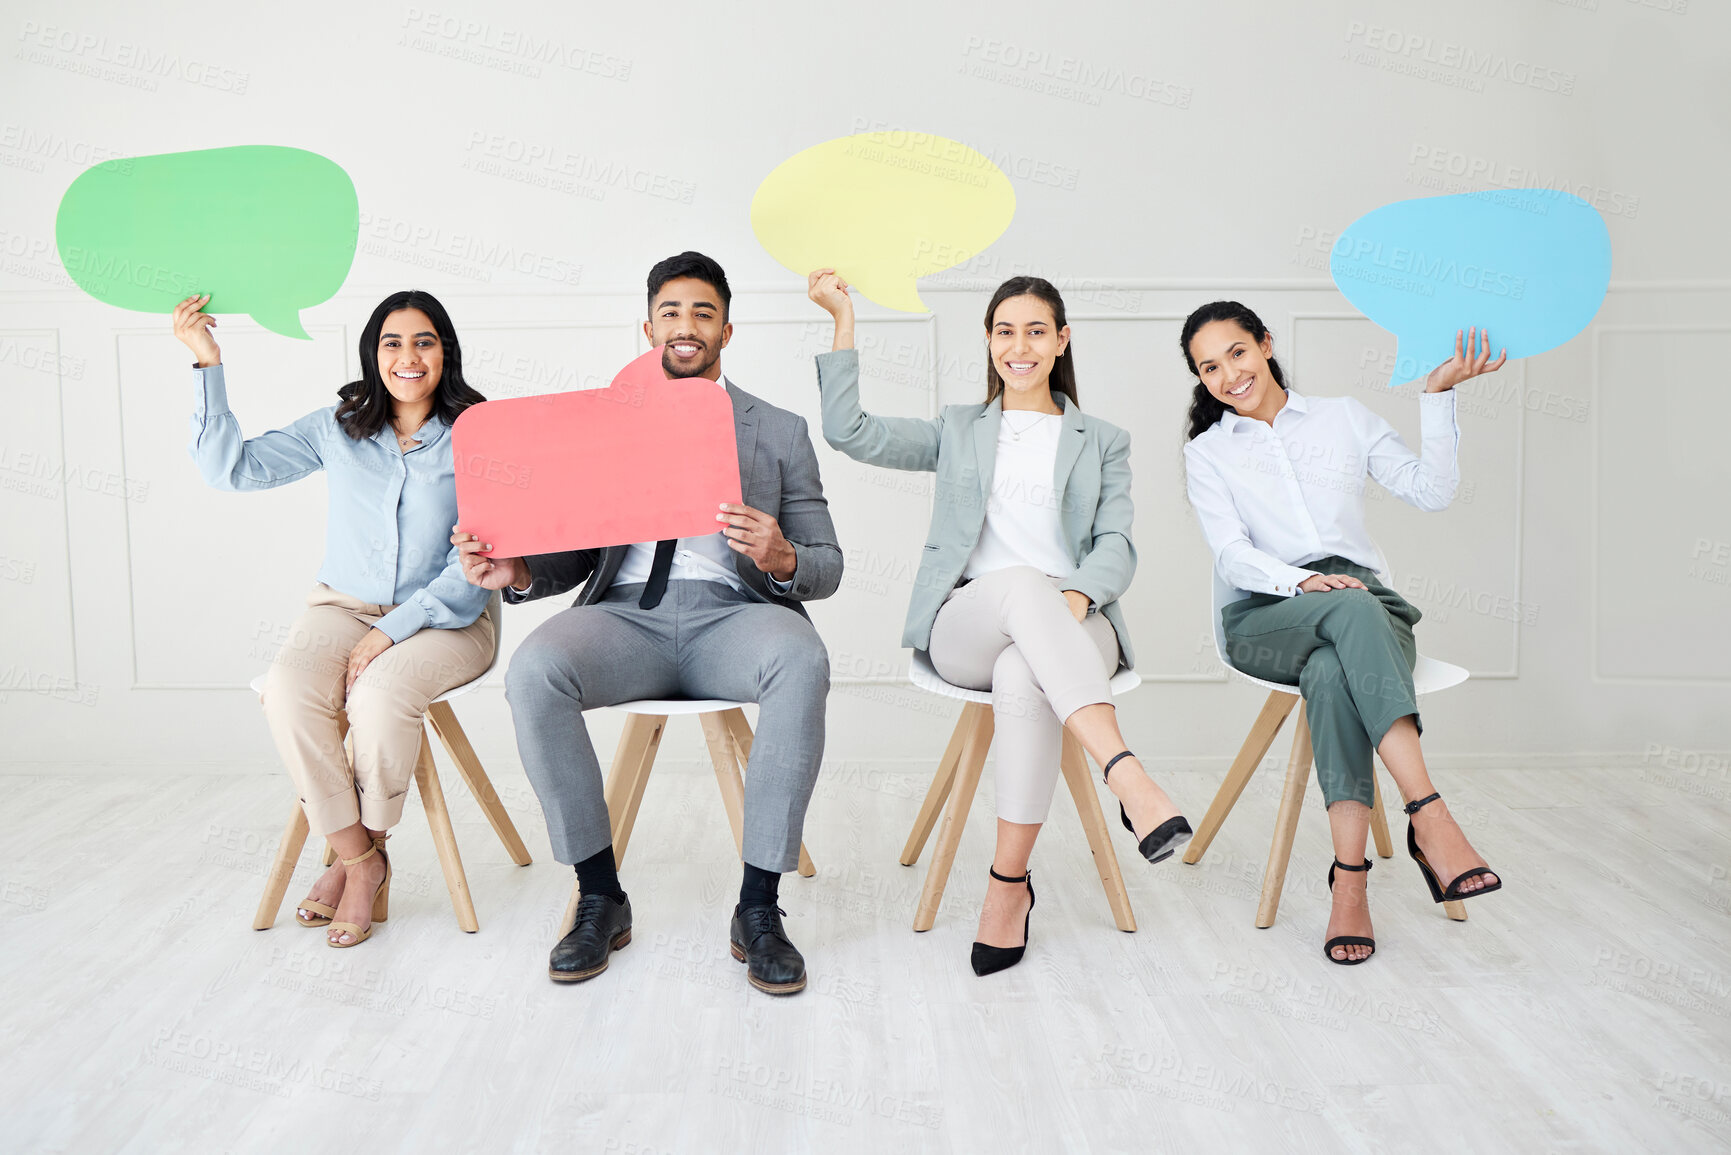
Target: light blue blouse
x=388, y=530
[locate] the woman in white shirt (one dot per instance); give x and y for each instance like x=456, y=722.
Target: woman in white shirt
x=1277, y=482
x=1018, y=586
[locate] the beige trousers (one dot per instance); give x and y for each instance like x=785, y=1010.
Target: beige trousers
x=1011, y=632
x=304, y=691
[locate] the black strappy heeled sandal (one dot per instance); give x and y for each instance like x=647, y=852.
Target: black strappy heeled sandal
x=992, y=959
x=1452, y=892
x=1346, y=939
x=1165, y=838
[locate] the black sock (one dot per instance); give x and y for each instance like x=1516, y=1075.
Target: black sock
x=759, y=888
x=597, y=874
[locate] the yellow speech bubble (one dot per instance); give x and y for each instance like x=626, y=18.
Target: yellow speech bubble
x=883, y=209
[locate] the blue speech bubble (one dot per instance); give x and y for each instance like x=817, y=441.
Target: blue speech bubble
x=1529, y=265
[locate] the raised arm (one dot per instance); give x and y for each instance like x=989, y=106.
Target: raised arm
x=225, y=459
x=909, y=443
x=1429, y=478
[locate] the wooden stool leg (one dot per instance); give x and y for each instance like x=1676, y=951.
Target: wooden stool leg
x=1379, y=820
x=1286, y=822
x=1075, y=766
x=1256, y=744
x=629, y=775
x=282, y=868
x=940, y=790
x=456, y=743
x=727, y=776
x=444, y=838
x=973, y=760
x=740, y=730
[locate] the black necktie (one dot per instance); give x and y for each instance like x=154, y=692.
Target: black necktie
x=658, y=571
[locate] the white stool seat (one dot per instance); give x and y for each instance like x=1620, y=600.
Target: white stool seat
x=666, y=707
x=922, y=674
x=1428, y=676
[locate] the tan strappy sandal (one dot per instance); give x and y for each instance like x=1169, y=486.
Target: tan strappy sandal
x=325, y=913
x=381, y=899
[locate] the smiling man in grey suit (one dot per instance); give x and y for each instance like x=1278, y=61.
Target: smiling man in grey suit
x=700, y=617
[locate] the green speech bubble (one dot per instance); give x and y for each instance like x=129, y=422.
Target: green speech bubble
x=266, y=231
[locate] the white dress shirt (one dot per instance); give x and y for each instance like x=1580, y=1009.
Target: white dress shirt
x=1022, y=525
x=707, y=558
x=1272, y=499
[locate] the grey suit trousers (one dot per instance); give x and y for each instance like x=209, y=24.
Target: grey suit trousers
x=705, y=640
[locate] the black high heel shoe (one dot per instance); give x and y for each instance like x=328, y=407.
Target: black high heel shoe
x=1346, y=939
x=1165, y=838
x=991, y=959
x=1440, y=893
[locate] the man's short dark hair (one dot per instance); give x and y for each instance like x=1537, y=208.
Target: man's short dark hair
x=690, y=264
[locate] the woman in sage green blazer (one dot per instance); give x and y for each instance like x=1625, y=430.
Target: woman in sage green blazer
x=1018, y=586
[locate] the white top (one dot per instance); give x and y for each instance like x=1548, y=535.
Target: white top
x=1271, y=499
x=1022, y=525
x=708, y=558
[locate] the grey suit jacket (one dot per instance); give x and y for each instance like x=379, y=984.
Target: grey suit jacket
x=777, y=474
x=1091, y=477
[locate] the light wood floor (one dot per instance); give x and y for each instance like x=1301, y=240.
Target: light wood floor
x=1587, y=1007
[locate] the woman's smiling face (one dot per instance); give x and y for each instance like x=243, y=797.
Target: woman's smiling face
x=411, y=355
x=1025, y=343
x=1233, y=365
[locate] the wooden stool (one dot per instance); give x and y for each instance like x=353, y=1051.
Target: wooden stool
x=728, y=736
x=959, y=775
x=444, y=723
x=1428, y=676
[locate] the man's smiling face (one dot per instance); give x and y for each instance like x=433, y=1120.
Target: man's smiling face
x=688, y=323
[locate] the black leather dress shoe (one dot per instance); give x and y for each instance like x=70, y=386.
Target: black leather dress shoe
x=603, y=926
x=771, y=963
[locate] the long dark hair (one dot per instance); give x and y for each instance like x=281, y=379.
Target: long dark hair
x=366, y=404
x=1205, y=408
x=1063, y=379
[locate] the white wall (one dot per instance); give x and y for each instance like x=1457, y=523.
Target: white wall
x=142, y=602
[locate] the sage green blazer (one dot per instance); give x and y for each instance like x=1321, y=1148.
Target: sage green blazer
x=1091, y=478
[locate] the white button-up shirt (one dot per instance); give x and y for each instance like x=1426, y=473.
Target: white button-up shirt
x=1271, y=499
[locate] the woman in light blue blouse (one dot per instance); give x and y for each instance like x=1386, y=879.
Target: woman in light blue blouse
x=391, y=623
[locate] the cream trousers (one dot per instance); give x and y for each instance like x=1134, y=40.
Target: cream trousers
x=303, y=693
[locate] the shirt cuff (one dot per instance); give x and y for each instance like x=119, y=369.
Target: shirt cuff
x=404, y=622
x=1436, y=413
x=212, y=392
x=781, y=587
x=1288, y=583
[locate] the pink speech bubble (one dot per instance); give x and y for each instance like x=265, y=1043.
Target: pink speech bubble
x=649, y=457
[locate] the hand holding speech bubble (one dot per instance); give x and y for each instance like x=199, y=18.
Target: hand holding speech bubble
x=644, y=459
x=883, y=209
x=1530, y=266
x=266, y=231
